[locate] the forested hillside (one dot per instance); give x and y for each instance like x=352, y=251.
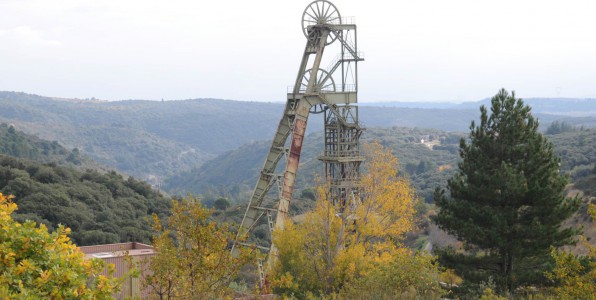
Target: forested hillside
x=148, y=139
x=577, y=149
x=156, y=139
x=53, y=185
x=99, y=208
x=426, y=156
x=558, y=106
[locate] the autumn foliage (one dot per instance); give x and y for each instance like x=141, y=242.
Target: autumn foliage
x=36, y=264
x=575, y=276
x=336, y=248
x=193, y=259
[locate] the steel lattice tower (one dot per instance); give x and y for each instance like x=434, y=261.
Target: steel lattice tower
x=333, y=92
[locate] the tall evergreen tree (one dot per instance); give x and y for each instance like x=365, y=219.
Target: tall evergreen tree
x=506, y=201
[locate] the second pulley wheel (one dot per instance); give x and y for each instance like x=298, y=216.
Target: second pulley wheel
x=323, y=82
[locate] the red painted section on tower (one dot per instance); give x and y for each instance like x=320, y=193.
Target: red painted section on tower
x=294, y=158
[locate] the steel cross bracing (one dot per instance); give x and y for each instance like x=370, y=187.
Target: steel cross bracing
x=314, y=91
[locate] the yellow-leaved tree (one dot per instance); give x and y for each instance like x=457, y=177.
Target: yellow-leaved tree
x=36, y=264
x=193, y=259
x=347, y=250
x=575, y=276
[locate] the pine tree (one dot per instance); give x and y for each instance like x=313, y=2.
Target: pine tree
x=506, y=201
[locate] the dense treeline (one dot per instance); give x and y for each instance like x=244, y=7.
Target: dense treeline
x=560, y=127
x=99, y=208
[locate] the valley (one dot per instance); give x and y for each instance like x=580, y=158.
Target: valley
x=214, y=148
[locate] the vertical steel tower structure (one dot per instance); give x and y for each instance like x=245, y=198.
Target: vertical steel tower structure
x=332, y=92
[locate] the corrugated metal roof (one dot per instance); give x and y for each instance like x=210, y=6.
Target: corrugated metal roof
x=114, y=247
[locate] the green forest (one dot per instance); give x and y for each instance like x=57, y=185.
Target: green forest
x=99, y=207
x=55, y=186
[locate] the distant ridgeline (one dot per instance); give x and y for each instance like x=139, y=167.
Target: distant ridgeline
x=147, y=139
x=154, y=140
x=574, y=107
x=99, y=207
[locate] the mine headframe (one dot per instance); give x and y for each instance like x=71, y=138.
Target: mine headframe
x=332, y=92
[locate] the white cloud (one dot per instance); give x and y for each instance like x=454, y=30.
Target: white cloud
x=26, y=36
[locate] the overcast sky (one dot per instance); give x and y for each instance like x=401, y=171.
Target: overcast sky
x=428, y=50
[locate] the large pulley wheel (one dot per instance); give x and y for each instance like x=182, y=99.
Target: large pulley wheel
x=321, y=12
x=318, y=109
x=323, y=82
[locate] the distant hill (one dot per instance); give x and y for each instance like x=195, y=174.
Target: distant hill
x=148, y=139
x=154, y=140
x=574, y=107
x=554, y=106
